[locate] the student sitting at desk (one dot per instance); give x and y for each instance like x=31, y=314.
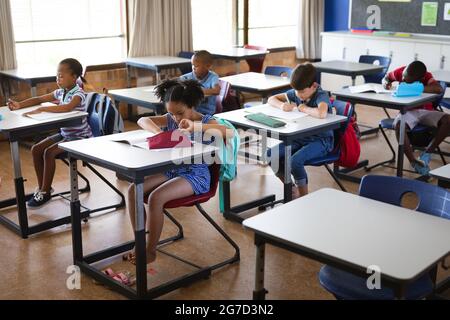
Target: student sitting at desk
x=309, y=98
x=202, y=62
x=71, y=98
x=425, y=115
x=182, y=99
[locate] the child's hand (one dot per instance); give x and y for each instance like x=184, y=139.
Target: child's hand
x=302, y=108
x=186, y=126
x=288, y=107
x=387, y=84
x=13, y=105
x=38, y=110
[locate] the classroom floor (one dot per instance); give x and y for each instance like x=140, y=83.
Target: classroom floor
x=36, y=268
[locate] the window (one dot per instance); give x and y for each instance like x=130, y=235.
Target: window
x=212, y=23
x=271, y=24
x=47, y=31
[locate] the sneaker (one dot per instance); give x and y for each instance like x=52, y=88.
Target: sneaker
x=37, y=190
x=421, y=168
x=426, y=158
x=39, y=200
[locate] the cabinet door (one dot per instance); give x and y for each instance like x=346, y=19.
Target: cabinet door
x=332, y=48
x=378, y=48
x=429, y=54
x=446, y=55
x=402, y=54
x=354, y=48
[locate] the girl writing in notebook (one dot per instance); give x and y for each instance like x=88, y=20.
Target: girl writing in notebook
x=182, y=97
x=71, y=98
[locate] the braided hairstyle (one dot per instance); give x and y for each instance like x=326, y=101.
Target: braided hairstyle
x=188, y=92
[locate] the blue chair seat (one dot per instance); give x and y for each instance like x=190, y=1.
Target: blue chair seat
x=346, y=286
x=318, y=162
x=445, y=103
x=387, y=124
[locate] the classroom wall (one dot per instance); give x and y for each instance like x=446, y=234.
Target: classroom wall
x=336, y=15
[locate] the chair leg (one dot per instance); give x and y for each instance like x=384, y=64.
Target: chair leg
x=180, y=234
x=335, y=178
x=442, y=156
x=394, y=155
x=236, y=256
x=117, y=191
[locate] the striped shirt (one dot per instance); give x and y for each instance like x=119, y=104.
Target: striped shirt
x=79, y=132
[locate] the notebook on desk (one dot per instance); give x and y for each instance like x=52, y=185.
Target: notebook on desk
x=50, y=115
x=369, y=87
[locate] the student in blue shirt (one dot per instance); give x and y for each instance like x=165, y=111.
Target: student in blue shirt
x=308, y=97
x=202, y=62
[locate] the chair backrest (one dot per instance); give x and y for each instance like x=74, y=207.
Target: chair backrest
x=186, y=55
x=224, y=91
x=432, y=199
x=255, y=64
x=279, y=71
x=345, y=109
x=378, y=60
x=103, y=116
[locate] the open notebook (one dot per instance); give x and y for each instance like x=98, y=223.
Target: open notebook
x=369, y=87
x=50, y=115
x=277, y=113
x=136, y=139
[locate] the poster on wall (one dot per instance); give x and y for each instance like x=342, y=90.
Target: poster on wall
x=430, y=14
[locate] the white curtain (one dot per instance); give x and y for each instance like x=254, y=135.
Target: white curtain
x=7, y=43
x=160, y=27
x=311, y=22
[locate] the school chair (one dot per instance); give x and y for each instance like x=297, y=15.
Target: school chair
x=420, y=137
x=333, y=156
x=432, y=200
x=278, y=71
x=186, y=55
x=197, y=201
x=255, y=64
x=102, y=118
x=224, y=91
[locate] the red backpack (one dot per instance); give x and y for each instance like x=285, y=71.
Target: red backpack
x=349, y=146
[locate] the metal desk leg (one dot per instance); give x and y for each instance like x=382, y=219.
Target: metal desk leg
x=33, y=90
x=158, y=77
x=20, y=190
x=353, y=81
x=401, y=145
x=77, y=239
x=287, y=174
x=259, y=293
x=141, y=252
x=238, y=66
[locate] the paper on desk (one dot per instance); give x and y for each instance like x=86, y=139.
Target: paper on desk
x=50, y=115
x=277, y=113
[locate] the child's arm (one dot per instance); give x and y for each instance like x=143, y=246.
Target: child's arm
x=434, y=87
x=320, y=112
x=14, y=105
x=211, y=127
x=215, y=91
x=153, y=124
x=280, y=101
x=76, y=101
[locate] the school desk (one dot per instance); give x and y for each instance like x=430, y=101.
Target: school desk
x=353, y=233
x=156, y=64
x=301, y=128
x=134, y=164
x=31, y=75
x=16, y=128
x=259, y=83
x=386, y=101
x=141, y=96
x=237, y=55
x=443, y=176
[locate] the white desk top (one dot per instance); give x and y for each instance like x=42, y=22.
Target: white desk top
x=14, y=121
x=292, y=128
x=237, y=53
x=386, y=98
x=359, y=231
x=442, y=75
x=257, y=81
x=353, y=67
x=31, y=73
x=126, y=157
x=157, y=61
x=442, y=173
x=145, y=94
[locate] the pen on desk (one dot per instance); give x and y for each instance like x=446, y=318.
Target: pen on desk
x=287, y=98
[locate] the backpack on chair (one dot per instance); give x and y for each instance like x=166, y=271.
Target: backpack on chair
x=347, y=140
x=104, y=118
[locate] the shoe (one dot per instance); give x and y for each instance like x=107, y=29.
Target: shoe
x=39, y=200
x=426, y=158
x=421, y=168
x=37, y=190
